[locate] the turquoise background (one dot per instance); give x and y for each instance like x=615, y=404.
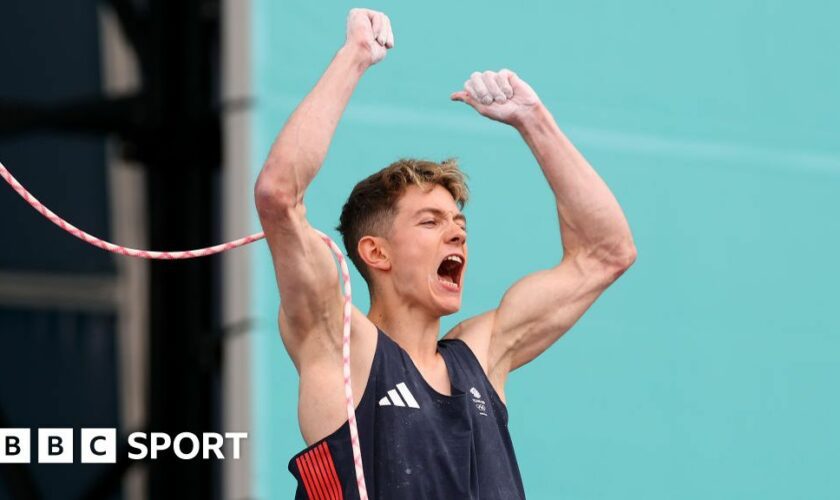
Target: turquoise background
x=709, y=370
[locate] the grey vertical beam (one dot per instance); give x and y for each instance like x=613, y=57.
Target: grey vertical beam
x=129, y=225
x=236, y=216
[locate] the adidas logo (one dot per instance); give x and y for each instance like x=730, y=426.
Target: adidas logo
x=393, y=397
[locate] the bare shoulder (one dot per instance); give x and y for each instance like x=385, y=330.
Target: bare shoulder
x=480, y=334
x=476, y=332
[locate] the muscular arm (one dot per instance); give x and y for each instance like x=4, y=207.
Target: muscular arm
x=306, y=274
x=597, y=243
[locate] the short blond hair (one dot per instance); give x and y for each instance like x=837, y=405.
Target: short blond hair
x=372, y=205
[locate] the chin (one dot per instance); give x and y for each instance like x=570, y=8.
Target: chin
x=447, y=307
x=448, y=301
x=451, y=307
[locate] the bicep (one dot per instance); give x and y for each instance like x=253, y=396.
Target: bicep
x=306, y=273
x=537, y=310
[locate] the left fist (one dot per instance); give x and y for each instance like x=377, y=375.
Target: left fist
x=501, y=96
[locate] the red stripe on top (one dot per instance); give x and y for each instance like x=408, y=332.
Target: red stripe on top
x=328, y=461
x=322, y=470
x=318, y=466
x=304, y=476
x=331, y=474
x=317, y=482
x=319, y=475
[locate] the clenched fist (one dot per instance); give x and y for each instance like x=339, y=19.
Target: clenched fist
x=369, y=31
x=501, y=96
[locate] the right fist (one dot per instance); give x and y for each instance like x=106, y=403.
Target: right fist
x=370, y=31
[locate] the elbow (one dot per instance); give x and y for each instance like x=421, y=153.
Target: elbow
x=609, y=261
x=271, y=197
x=627, y=256
x=620, y=260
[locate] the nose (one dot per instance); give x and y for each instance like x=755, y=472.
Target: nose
x=456, y=234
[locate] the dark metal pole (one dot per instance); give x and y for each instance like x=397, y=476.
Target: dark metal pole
x=171, y=125
x=184, y=157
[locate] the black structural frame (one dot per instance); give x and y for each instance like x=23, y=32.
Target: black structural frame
x=172, y=126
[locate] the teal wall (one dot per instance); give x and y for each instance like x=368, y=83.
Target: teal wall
x=710, y=369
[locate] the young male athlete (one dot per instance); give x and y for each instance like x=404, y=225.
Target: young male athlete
x=431, y=414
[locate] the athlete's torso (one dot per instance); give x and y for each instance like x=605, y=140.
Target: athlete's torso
x=417, y=443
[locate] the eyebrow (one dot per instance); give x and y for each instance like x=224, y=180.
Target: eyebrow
x=441, y=213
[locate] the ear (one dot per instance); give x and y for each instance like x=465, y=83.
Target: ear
x=373, y=250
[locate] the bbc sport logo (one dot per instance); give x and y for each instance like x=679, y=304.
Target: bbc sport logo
x=55, y=445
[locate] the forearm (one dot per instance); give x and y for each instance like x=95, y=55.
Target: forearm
x=591, y=220
x=300, y=148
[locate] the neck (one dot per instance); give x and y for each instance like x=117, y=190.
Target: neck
x=409, y=326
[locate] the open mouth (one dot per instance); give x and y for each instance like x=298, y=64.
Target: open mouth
x=449, y=272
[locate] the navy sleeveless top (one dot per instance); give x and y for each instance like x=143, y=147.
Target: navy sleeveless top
x=417, y=443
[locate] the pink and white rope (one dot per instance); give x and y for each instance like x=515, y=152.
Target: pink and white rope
x=202, y=252
x=345, y=351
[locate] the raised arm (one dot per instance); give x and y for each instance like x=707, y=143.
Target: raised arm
x=597, y=243
x=304, y=268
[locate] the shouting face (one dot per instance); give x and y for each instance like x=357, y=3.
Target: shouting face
x=427, y=250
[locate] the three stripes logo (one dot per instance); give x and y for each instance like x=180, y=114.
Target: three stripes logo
x=400, y=396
